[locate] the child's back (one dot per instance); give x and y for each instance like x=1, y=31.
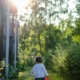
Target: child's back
x=39, y=70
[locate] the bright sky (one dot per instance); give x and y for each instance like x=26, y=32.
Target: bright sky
x=20, y=6
x=22, y=3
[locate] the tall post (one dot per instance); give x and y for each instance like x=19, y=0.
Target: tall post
x=1, y=28
x=7, y=40
x=18, y=36
x=12, y=44
x=15, y=44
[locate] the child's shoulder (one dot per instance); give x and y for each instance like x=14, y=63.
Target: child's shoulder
x=38, y=64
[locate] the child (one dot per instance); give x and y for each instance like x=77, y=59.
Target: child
x=39, y=70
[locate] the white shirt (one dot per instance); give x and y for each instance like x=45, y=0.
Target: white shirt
x=39, y=70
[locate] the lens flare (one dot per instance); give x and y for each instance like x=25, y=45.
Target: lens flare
x=20, y=3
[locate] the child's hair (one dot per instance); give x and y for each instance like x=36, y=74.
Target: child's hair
x=38, y=59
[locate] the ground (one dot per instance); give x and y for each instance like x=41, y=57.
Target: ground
x=26, y=75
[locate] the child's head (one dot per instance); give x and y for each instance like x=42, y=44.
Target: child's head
x=38, y=60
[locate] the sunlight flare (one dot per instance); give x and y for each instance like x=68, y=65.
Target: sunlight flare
x=20, y=3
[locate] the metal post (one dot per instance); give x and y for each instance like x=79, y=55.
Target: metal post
x=1, y=28
x=0, y=16
x=15, y=42
x=7, y=40
x=18, y=36
x=0, y=11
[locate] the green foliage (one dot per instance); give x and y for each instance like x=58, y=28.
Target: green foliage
x=52, y=37
x=66, y=62
x=26, y=75
x=20, y=66
x=2, y=65
x=30, y=61
x=13, y=73
x=59, y=59
x=76, y=31
x=48, y=60
x=39, y=36
x=73, y=64
x=78, y=7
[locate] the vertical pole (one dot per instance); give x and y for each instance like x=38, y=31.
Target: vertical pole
x=12, y=45
x=1, y=28
x=18, y=37
x=15, y=42
x=7, y=40
x=0, y=13
x=18, y=32
x=0, y=17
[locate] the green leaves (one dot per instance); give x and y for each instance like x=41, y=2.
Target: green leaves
x=76, y=31
x=13, y=73
x=55, y=43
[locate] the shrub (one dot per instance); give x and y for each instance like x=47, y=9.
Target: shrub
x=73, y=63
x=48, y=60
x=2, y=65
x=13, y=73
x=59, y=60
x=67, y=62
x=20, y=66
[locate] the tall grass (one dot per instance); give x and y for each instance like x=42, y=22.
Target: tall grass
x=26, y=75
x=54, y=76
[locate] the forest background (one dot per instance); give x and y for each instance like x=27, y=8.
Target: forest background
x=52, y=30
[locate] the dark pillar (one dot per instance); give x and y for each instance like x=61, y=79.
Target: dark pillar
x=13, y=10
x=1, y=28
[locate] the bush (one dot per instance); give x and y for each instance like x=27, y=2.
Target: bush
x=13, y=73
x=20, y=66
x=48, y=60
x=73, y=63
x=59, y=60
x=2, y=65
x=30, y=61
x=67, y=62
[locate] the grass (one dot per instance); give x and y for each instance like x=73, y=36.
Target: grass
x=26, y=75
x=54, y=76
